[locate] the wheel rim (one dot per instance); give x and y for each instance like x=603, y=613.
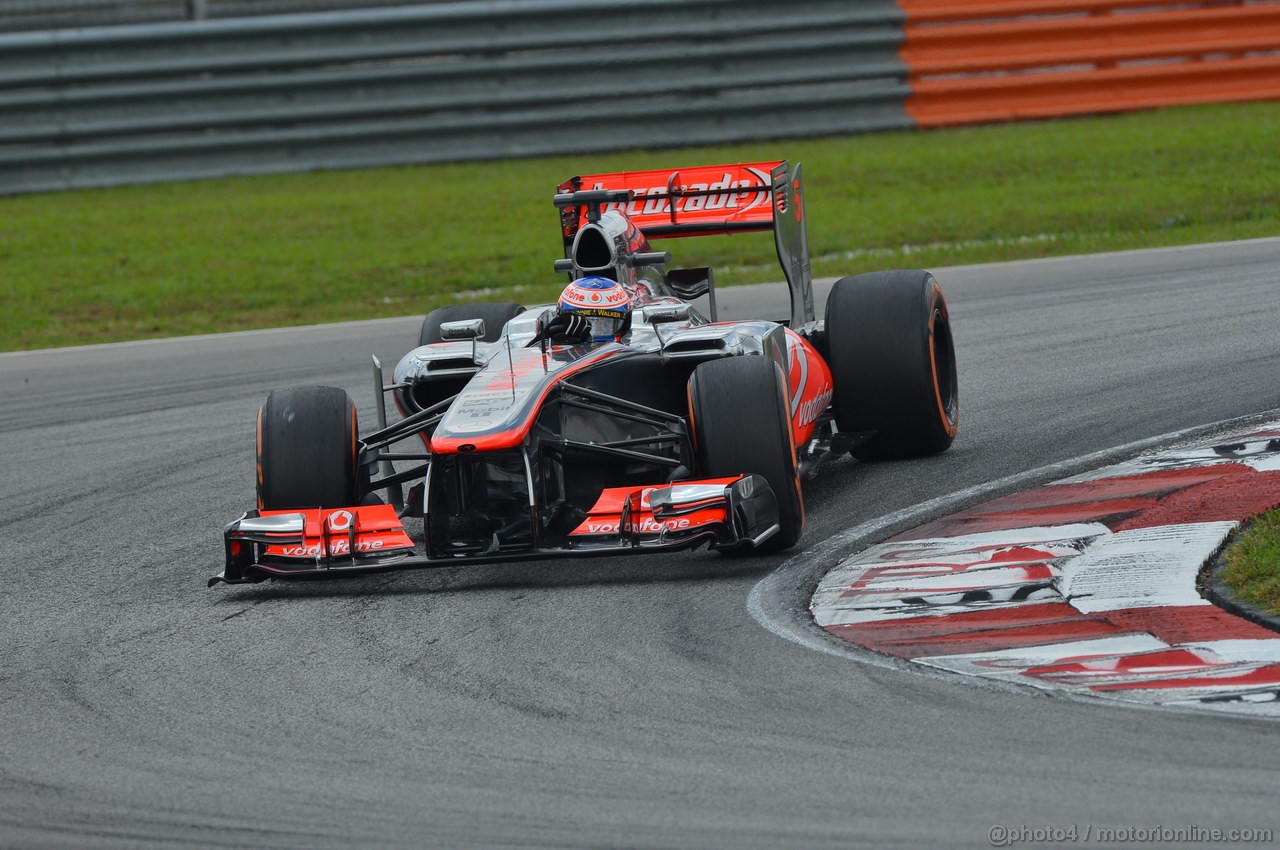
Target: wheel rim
x=943, y=357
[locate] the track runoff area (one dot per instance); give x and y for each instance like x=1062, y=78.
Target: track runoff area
x=1084, y=587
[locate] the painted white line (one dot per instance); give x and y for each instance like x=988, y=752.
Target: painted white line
x=1037, y=261
x=1173, y=249
x=184, y=340
x=1134, y=252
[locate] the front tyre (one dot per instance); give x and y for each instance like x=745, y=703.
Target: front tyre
x=307, y=450
x=893, y=362
x=742, y=424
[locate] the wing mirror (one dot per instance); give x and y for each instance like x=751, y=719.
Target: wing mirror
x=471, y=329
x=466, y=329
x=661, y=314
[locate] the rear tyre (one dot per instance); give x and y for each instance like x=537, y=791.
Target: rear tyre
x=495, y=315
x=742, y=424
x=893, y=362
x=307, y=450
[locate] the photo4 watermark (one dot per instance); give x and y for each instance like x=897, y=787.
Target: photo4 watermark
x=1004, y=835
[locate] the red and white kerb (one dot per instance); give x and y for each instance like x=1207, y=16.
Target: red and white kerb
x=1086, y=585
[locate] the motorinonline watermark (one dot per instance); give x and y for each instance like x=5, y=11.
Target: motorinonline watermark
x=1005, y=835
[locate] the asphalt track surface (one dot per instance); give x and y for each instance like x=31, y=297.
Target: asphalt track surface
x=627, y=702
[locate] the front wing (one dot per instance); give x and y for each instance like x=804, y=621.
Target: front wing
x=725, y=513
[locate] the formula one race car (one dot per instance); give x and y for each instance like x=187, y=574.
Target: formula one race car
x=662, y=429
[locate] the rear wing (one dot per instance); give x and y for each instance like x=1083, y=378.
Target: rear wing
x=703, y=201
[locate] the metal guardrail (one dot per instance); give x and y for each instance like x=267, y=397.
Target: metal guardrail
x=16, y=15
x=439, y=82
x=26, y=15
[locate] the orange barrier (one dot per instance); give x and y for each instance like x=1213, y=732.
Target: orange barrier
x=948, y=102
x=1046, y=58
x=927, y=11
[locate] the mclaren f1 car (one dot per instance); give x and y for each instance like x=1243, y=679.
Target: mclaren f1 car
x=679, y=430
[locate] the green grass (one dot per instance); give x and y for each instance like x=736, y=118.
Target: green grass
x=183, y=258
x=1252, y=563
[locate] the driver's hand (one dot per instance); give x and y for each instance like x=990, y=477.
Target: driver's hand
x=566, y=329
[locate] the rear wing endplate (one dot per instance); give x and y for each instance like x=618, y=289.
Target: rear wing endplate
x=708, y=200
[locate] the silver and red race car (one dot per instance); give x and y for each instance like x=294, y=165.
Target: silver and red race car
x=679, y=432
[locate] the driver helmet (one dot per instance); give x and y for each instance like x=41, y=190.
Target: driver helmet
x=602, y=302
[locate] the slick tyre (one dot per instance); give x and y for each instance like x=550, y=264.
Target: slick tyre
x=307, y=449
x=495, y=315
x=742, y=424
x=893, y=362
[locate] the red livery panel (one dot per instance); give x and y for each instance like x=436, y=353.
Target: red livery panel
x=606, y=515
x=710, y=198
x=809, y=386
x=367, y=529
